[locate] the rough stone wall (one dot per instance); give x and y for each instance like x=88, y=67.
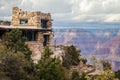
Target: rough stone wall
x=5, y=23
x=36, y=49
x=37, y=46
x=34, y=18
x=40, y=38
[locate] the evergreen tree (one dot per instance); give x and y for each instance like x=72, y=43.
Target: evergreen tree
x=71, y=56
x=15, y=57
x=49, y=68
x=84, y=60
x=75, y=76
x=117, y=74
x=84, y=77
x=15, y=42
x=15, y=67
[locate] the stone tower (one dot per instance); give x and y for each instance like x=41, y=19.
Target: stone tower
x=36, y=26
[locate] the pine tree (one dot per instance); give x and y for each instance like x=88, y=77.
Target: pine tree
x=49, y=68
x=71, y=56
x=15, y=57
x=15, y=42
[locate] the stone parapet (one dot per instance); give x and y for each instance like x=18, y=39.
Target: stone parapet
x=7, y=23
x=31, y=18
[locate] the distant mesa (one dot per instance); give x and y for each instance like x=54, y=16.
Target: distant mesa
x=111, y=47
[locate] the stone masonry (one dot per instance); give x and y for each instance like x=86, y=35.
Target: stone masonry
x=34, y=18
x=36, y=26
x=39, y=22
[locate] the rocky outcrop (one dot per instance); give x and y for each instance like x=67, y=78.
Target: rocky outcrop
x=36, y=49
x=82, y=38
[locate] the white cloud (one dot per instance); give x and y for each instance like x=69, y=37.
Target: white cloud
x=6, y=8
x=96, y=10
x=68, y=10
x=53, y=6
x=112, y=18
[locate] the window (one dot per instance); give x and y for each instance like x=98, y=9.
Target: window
x=30, y=35
x=44, y=23
x=23, y=21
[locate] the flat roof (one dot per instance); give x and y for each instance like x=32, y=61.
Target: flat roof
x=23, y=27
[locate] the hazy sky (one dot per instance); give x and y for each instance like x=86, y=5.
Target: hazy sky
x=68, y=10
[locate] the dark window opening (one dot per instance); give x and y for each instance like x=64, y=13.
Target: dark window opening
x=23, y=21
x=1, y=34
x=44, y=23
x=46, y=40
x=30, y=35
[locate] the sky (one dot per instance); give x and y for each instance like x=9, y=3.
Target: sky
x=67, y=11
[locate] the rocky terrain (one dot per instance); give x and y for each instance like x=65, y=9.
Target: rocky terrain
x=103, y=43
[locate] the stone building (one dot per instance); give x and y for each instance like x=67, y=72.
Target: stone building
x=36, y=26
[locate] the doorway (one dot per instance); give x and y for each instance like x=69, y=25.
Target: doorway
x=46, y=40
